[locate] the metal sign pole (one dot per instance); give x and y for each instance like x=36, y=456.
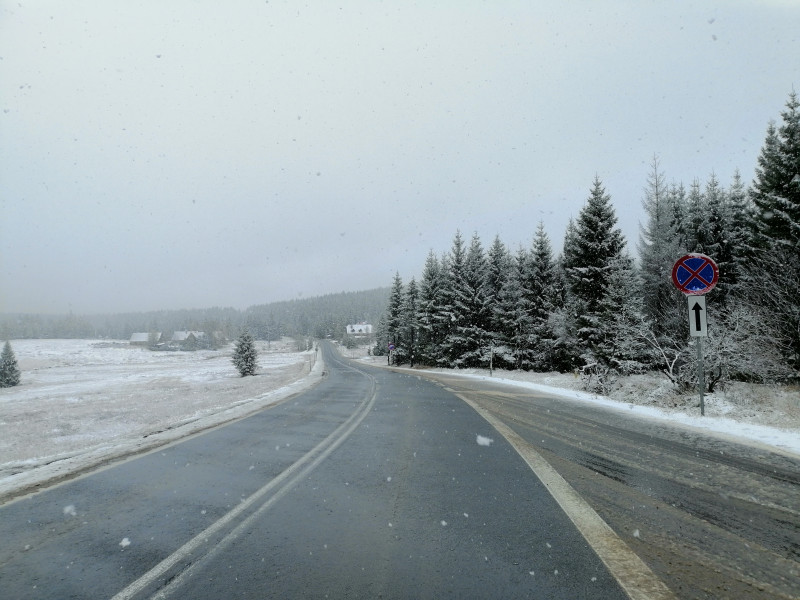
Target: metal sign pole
x=701, y=376
x=694, y=275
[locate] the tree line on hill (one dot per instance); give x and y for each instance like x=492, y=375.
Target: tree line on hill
x=597, y=310
x=316, y=317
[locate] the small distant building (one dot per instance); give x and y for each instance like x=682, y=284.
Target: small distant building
x=145, y=338
x=184, y=336
x=359, y=330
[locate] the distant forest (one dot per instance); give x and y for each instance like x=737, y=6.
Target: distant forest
x=318, y=317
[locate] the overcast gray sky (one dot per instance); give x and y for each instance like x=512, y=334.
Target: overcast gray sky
x=181, y=154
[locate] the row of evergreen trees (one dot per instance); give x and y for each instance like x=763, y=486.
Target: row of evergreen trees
x=594, y=308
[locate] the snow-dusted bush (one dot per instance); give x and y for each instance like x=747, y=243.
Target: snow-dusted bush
x=740, y=347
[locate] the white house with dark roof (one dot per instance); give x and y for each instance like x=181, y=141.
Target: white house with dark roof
x=359, y=329
x=182, y=336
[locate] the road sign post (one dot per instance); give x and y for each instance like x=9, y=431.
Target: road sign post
x=696, y=275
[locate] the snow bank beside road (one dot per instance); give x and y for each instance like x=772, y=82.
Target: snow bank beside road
x=783, y=438
x=82, y=403
x=750, y=413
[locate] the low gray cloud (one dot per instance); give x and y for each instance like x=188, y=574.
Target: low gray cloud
x=183, y=154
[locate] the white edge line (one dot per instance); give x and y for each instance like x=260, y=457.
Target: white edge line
x=635, y=577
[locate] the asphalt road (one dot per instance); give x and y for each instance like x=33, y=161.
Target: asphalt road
x=711, y=517
x=377, y=484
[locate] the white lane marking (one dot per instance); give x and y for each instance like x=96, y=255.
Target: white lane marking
x=635, y=577
x=287, y=479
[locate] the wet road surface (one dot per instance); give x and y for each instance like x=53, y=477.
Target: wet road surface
x=373, y=484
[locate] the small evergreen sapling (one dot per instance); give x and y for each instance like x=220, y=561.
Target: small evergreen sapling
x=245, y=355
x=9, y=372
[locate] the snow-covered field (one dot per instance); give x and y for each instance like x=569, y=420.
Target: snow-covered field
x=83, y=402
x=750, y=413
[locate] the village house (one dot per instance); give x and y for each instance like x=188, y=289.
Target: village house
x=359, y=330
x=145, y=338
x=187, y=336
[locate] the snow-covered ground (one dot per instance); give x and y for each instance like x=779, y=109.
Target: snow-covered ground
x=755, y=414
x=84, y=402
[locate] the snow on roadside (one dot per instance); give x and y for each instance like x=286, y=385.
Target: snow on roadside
x=760, y=414
x=84, y=402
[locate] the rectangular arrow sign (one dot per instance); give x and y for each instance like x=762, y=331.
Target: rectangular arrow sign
x=697, y=316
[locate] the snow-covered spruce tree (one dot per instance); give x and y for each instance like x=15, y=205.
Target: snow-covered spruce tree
x=696, y=225
x=475, y=308
x=465, y=312
x=512, y=318
x=624, y=347
x=776, y=195
x=497, y=275
x=245, y=355
x=591, y=252
x=719, y=243
x=394, y=316
x=678, y=204
x=776, y=188
x=410, y=324
x=540, y=287
x=428, y=307
x=451, y=314
x=659, y=248
x=9, y=371
x=443, y=316
x=566, y=352
x=381, y=337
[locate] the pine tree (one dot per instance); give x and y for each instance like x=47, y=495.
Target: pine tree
x=428, y=311
x=741, y=216
x=394, y=315
x=245, y=355
x=444, y=317
x=590, y=254
x=410, y=326
x=696, y=224
x=678, y=204
x=512, y=319
x=776, y=189
x=624, y=348
x=451, y=315
x=565, y=353
x=475, y=308
x=776, y=195
x=497, y=274
x=543, y=299
x=659, y=248
x=9, y=371
x=381, y=338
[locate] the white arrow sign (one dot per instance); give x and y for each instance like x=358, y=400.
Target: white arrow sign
x=697, y=316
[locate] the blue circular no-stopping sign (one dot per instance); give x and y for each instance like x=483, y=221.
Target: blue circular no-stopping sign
x=695, y=274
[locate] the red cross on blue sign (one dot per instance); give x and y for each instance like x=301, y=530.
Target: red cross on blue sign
x=695, y=274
